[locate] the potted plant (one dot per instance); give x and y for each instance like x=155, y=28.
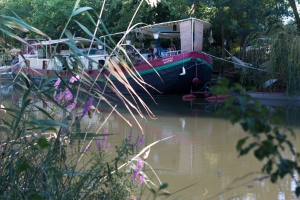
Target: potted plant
x=139, y=36
x=138, y=44
x=153, y=43
x=129, y=39
x=210, y=40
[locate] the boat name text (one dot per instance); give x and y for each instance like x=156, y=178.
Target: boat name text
x=167, y=60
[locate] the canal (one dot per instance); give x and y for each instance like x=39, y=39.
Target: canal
x=200, y=160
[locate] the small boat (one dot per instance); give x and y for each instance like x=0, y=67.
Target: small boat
x=216, y=98
x=273, y=95
x=172, y=71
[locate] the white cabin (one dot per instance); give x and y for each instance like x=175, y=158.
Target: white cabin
x=42, y=54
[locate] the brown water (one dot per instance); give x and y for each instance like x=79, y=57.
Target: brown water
x=201, y=152
x=200, y=160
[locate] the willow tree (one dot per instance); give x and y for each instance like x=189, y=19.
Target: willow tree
x=284, y=57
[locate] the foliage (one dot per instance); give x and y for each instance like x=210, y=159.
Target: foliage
x=270, y=144
x=240, y=18
x=284, y=57
x=42, y=156
x=36, y=151
x=278, y=49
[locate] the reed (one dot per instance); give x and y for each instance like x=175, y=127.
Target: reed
x=42, y=156
x=275, y=50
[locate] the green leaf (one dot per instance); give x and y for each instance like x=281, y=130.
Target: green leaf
x=23, y=24
x=163, y=186
x=50, y=128
x=240, y=88
x=298, y=191
x=53, y=123
x=70, y=172
x=274, y=177
x=292, y=132
x=23, y=167
x=268, y=167
x=280, y=137
x=36, y=197
x=90, y=135
x=240, y=143
x=43, y=143
x=291, y=147
x=260, y=153
x=81, y=10
x=286, y=166
x=246, y=150
x=244, y=126
x=24, y=106
x=34, y=147
x=44, y=112
x=108, y=171
x=164, y=194
x=153, y=191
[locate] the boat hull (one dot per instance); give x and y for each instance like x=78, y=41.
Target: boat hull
x=170, y=75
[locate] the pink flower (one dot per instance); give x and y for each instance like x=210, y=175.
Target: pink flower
x=56, y=84
x=142, y=179
x=74, y=78
x=59, y=96
x=139, y=163
x=130, y=136
x=107, y=146
x=68, y=95
x=63, y=130
x=135, y=174
x=71, y=106
x=99, y=145
x=87, y=106
x=139, y=141
x=138, y=168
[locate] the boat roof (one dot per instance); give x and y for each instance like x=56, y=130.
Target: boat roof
x=164, y=29
x=64, y=40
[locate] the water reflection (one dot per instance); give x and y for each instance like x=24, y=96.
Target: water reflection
x=202, y=150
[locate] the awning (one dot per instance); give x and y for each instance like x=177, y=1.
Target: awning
x=166, y=29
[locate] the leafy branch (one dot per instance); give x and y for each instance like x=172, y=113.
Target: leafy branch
x=269, y=143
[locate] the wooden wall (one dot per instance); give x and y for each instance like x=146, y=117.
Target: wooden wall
x=190, y=41
x=198, y=36
x=186, y=36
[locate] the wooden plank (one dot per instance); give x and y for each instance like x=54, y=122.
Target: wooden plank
x=198, y=40
x=186, y=36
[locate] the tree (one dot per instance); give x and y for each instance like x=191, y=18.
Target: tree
x=118, y=13
x=296, y=13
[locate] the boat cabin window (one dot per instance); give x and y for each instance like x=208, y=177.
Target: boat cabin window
x=64, y=47
x=44, y=64
x=101, y=63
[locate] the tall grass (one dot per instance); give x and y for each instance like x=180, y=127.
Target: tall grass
x=42, y=157
x=276, y=51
